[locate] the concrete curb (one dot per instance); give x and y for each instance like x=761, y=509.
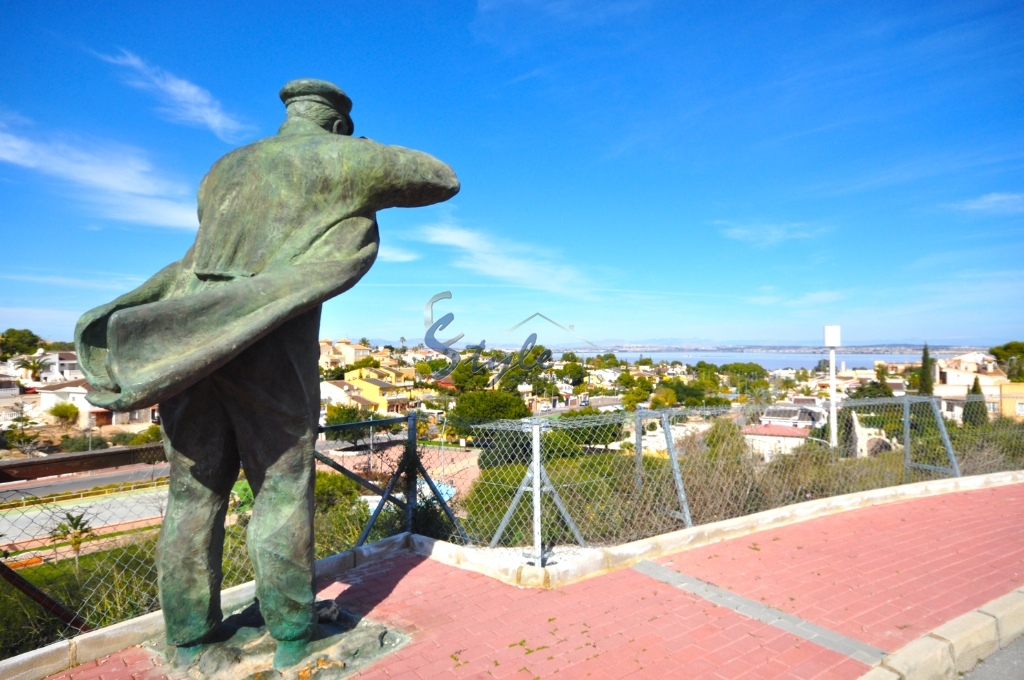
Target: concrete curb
x=592, y=562
x=958, y=645
x=60, y=656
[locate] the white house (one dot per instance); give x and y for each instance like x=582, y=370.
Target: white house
x=62, y=367
x=770, y=441
x=793, y=415
x=74, y=392
x=8, y=385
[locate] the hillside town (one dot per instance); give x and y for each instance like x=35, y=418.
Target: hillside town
x=779, y=410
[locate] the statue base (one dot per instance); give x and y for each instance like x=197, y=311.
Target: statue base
x=242, y=649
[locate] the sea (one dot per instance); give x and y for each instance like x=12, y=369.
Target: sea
x=773, y=360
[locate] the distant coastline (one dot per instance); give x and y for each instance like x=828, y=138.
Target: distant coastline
x=765, y=349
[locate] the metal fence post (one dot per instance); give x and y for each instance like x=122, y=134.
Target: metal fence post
x=906, y=438
x=684, y=505
x=941, y=423
x=410, y=473
x=638, y=436
x=538, y=547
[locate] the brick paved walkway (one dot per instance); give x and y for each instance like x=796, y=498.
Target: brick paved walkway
x=882, y=576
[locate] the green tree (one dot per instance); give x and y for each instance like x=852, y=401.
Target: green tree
x=635, y=396
x=18, y=341
x=34, y=365
x=466, y=379
x=17, y=434
x=927, y=380
x=74, y=529
x=1011, y=358
x=472, y=407
x=975, y=413
x=871, y=390
x=570, y=357
x=663, y=397
x=365, y=342
x=725, y=440
x=340, y=414
x=65, y=413
x=881, y=372
x=572, y=373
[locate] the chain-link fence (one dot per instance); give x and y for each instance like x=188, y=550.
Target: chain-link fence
x=81, y=559
x=530, y=489
x=543, y=487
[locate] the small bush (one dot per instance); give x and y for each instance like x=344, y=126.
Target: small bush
x=76, y=444
x=121, y=438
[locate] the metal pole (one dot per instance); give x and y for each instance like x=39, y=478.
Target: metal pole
x=941, y=423
x=538, y=548
x=638, y=436
x=409, y=463
x=906, y=439
x=833, y=438
x=684, y=505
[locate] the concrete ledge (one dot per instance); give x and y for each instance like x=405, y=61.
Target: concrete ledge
x=958, y=645
x=1008, y=611
x=39, y=663
x=972, y=636
x=61, y=656
x=592, y=562
x=926, y=658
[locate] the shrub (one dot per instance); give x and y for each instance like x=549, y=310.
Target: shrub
x=151, y=435
x=65, y=413
x=76, y=444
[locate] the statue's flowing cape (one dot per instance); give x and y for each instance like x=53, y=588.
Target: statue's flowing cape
x=285, y=224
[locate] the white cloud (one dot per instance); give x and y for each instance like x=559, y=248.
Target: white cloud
x=118, y=181
x=388, y=253
x=763, y=235
x=812, y=299
x=183, y=102
x=819, y=297
x=514, y=263
x=996, y=203
x=119, y=283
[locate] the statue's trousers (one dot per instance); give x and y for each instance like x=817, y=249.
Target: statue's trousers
x=259, y=411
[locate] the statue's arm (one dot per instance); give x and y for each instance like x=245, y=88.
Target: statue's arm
x=398, y=177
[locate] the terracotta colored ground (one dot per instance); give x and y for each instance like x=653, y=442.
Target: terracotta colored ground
x=882, y=575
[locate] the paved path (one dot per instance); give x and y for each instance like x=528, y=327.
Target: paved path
x=803, y=601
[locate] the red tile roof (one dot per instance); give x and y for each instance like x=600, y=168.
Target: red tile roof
x=777, y=431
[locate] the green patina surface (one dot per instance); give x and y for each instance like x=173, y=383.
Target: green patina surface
x=225, y=340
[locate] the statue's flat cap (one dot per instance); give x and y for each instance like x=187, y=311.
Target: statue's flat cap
x=310, y=89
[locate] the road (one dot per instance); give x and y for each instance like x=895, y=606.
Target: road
x=1006, y=664
x=38, y=521
x=82, y=481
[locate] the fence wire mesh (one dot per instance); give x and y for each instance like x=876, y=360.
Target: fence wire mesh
x=537, y=489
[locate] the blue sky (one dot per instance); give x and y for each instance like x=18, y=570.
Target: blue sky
x=645, y=171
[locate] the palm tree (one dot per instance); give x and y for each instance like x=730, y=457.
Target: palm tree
x=34, y=364
x=75, y=529
x=758, y=400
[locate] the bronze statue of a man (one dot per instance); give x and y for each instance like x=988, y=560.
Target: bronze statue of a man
x=226, y=341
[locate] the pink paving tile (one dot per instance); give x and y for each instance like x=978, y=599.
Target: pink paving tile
x=929, y=559
x=615, y=630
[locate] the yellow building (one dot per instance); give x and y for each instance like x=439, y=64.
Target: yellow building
x=388, y=398
x=1011, y=400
